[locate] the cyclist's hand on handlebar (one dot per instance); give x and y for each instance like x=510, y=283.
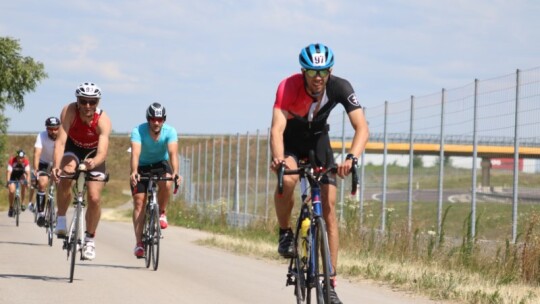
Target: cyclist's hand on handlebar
x=276, y=163
x=177, y=182
x=134, y=178
x=56, y=172
x=345, y=168
x=90, y=164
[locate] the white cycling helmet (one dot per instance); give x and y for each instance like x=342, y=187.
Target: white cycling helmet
x=89, y=90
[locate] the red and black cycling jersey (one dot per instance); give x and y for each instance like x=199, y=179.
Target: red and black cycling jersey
x=17, y=169
x=307, y=127
x=83, y=135
x=292, y=97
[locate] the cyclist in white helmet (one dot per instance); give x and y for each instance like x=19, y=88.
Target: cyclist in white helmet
x=83, y=135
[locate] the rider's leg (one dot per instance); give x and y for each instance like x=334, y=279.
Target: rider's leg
x=11, y=194
x=63, y=190
x=284, y=202
x=164, y=194
x=329, y=213
x=93, y=211
x=40, y=195
x=138, y=215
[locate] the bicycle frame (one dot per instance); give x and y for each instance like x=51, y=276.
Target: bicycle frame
x=151, y=229
x=17, y=204
x=48, y=206
x=73, y=242
x=311, y=237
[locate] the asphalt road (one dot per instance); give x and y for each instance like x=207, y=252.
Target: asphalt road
x=33, y=272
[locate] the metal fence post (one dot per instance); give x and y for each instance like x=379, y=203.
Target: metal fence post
x=411, y=165
x=256, y=174
x=385, y=169
x=246, y=198
x=441, y=166
x=212, y=182
x=515, y=191
x=268, y=159
x=475, y=155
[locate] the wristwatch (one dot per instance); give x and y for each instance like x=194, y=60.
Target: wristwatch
x=350, y=156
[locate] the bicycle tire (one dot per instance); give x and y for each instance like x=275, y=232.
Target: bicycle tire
x=75, y=240
x=156, y=237
x=17, y=209
x=49, y=221
x=146, y=239
x=35, y=211
x=301, y=270
x=322, y=260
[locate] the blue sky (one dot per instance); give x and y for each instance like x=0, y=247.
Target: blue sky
x=215, y=65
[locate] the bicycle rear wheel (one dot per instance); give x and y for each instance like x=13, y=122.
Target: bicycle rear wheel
x=156, y=237
x=146, y=238
x=75, y=240
x=322, y=262
x=17, y=209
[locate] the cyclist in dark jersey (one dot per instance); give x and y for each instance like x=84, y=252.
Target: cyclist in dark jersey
x=18, y=169
x=299, y=124
x=83, y=136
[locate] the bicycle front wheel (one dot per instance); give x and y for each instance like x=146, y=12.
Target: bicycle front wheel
x=17, y=209
x=322, y=262
x=155, y=236
x=300, y=272
x=49, y=221
x=147, y=239
x=75, y=240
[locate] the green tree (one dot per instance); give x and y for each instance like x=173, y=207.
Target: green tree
x=18, y=76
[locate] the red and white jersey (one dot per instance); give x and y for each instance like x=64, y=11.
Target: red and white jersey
x=15, y=166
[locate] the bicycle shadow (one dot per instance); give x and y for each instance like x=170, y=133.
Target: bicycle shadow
x=31, y=277
x=110, y=266
x=23, y=243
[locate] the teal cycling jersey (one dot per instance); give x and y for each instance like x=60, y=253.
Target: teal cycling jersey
x=153, y=151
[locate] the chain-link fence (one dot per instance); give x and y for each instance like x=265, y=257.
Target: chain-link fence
x=476, y=144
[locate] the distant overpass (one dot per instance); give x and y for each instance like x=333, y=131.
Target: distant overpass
x=487, y=146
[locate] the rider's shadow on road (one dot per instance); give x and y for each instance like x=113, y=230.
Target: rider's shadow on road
x=31, y=277
x=23, y=243
x=110, y=266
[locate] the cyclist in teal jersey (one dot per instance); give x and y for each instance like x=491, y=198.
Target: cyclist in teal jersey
x=154, y=148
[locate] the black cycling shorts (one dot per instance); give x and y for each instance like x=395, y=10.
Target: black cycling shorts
x=160, y=168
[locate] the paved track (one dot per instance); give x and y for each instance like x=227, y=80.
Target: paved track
x=33, y=272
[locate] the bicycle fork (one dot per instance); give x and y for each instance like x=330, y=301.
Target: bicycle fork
x=314, y=239
x=75, y=235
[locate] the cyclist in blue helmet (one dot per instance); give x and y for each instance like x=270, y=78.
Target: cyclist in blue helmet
x=299, y=124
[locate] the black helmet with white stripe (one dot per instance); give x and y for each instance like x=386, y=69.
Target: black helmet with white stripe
x=88, y=90
x=156, y=110
x=52, y=122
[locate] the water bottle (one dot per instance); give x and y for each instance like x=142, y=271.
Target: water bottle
x=306, y=223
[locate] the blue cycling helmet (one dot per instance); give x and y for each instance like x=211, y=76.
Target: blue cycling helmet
x=316, y=57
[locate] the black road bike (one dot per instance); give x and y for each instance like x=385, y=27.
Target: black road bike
x=152, y=230
x=311, y=267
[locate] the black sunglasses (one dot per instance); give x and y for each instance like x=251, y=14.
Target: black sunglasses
x=84, y=102
x=313, y=73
